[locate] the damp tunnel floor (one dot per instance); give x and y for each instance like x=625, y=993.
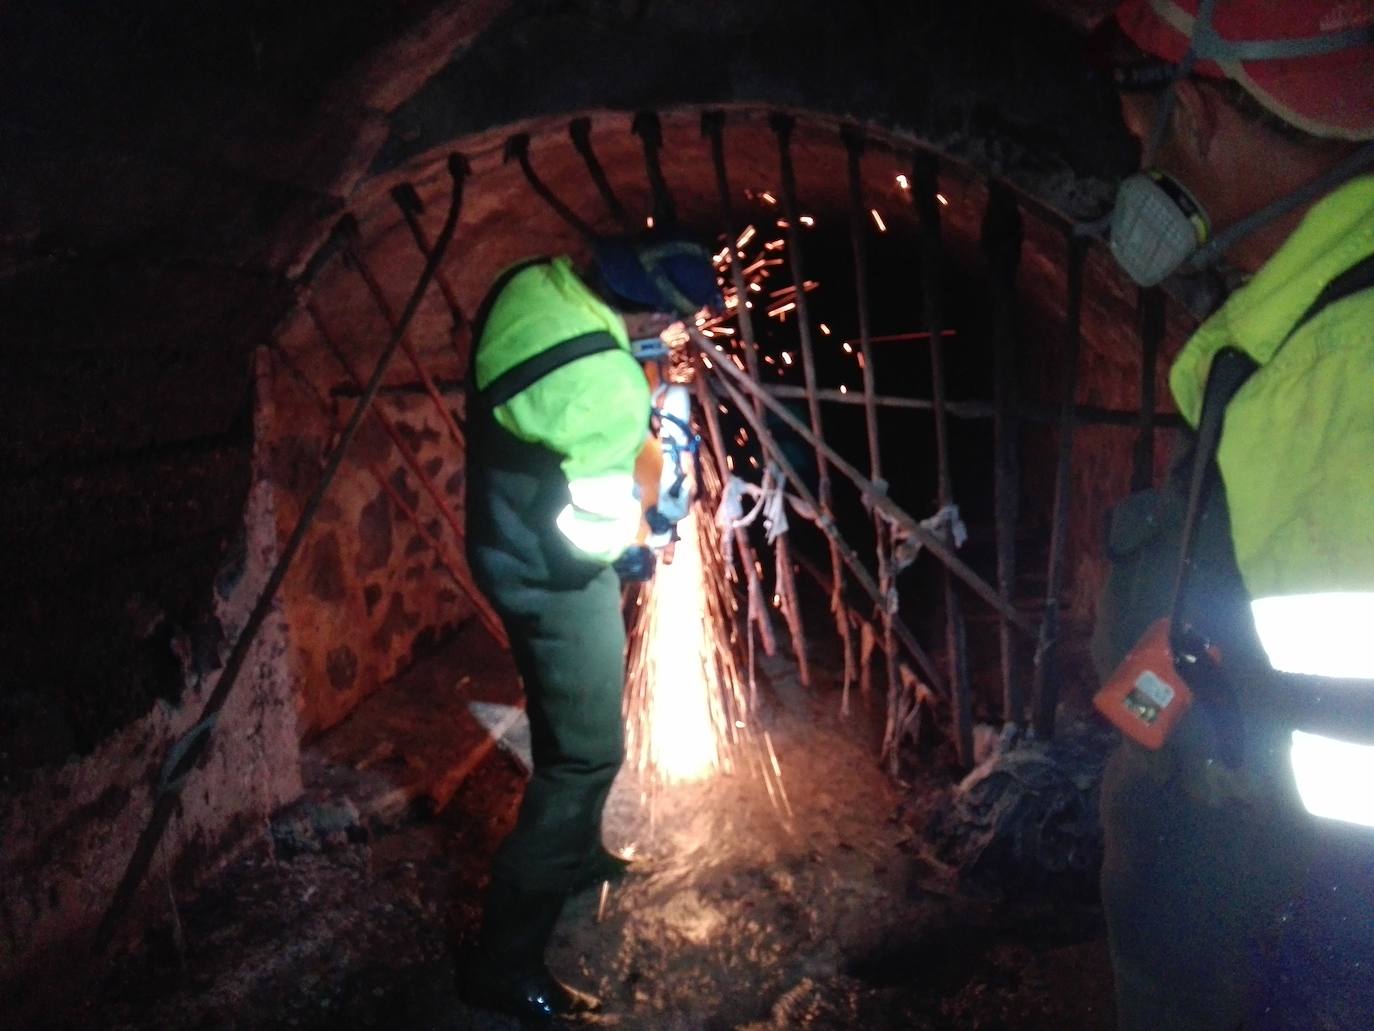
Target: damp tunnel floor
x=837, y=917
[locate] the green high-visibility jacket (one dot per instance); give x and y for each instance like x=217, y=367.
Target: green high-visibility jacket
x=1297, y=448
x=592, y=412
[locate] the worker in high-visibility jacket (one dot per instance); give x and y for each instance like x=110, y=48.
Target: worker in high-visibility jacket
x=1255, y=119
x=559, y=412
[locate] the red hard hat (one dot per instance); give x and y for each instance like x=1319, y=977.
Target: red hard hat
x=1327, y=94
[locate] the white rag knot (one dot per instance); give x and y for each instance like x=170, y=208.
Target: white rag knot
x=770, y=502
x=944, y=524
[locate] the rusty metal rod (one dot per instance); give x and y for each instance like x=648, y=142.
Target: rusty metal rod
x=407, y=199
x=188, y=753
x=909, y=525
x=1150, y=303
x=1084, y=415
x=782, y=126
x=1046, y=688
x=924, y=188
x=1001, y=243
x=580, y=132
x=518, y=148
x=713, y=126
x=489, y=618
x=850, y=558
x=758, y=608
x=646, y=126
x=855, y=144
x=374, y=288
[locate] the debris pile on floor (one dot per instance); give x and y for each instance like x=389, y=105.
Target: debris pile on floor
x=748, y=917
x=1026, y=820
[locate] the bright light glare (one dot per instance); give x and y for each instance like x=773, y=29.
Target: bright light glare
x=1335, y=778
x=687, y=700
x=1322, y=635
x=674, y=730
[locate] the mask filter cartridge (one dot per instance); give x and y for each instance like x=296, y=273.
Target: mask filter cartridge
x=1157, y=225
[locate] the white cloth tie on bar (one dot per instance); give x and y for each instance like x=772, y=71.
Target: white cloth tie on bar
x=770, y=501
x=944, y=524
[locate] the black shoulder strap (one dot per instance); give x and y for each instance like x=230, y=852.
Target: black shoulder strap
x=1231, y=367
x=532, y=370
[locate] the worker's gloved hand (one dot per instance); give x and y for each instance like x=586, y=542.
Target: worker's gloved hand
x=635, y=565
x=659, y=523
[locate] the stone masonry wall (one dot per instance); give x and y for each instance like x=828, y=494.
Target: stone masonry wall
x=368, y=588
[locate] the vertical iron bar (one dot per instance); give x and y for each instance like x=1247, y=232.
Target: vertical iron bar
x=1150, y=303
x=848, y=555
x=713, y=126
x=925, y=186
x=1001, y=239
x=646, y=126
x=1046, y=686
x=782, y=126
x=858, y=223
x=580, y=132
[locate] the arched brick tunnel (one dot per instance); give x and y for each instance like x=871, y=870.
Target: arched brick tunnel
x=192, y=213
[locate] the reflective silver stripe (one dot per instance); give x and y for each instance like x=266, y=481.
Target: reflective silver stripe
x=1335, y=779
x=1321, y=635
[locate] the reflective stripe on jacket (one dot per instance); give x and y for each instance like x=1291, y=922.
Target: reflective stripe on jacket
x=593, y=412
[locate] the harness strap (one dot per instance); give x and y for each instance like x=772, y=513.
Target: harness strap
x=526, y=374
x=521, y=377
x=1353, y=280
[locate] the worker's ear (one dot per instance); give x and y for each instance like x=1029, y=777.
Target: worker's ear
x=1196, y=117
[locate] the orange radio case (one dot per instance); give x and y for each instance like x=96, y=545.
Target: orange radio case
x=1145, y=697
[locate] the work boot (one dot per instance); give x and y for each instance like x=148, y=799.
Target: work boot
x=603, y=865
x=508, y=973
x=536, y=997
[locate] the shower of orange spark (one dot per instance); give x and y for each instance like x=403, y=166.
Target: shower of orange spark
x=676, y=729
x=688, y=707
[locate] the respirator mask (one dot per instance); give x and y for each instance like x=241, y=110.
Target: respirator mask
x=1156, y=227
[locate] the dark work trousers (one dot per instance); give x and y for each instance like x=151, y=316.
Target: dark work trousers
x=1200, y=865
x=562, y=613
